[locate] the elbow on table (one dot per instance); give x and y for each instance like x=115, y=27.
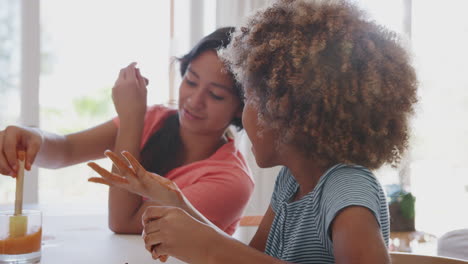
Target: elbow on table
x=120, y=227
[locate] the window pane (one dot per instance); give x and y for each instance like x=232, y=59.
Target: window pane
x=387, y=13
x=9, y=80
x=440, y=153
x=85, y=44
x=390, y=15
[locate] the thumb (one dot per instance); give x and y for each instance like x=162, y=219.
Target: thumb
x=142, y=80
x=31, y=151
x=153, y=213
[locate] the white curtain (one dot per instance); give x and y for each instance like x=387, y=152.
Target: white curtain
x=264, y=178
x=232, y=13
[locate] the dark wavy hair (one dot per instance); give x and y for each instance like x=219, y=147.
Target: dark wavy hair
x=217, y=40
x=160, y=151
x=334, y=84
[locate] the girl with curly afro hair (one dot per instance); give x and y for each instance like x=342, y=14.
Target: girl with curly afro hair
x=328, y=96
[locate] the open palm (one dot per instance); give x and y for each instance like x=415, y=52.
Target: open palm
x=135, y=179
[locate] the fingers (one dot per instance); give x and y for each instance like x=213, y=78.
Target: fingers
x=152, y=213
x=152, y=231
x=109, y=176
x=141, y=172
x=155, y=253
x=152, y=240
x=152, y=226
x=21, y=159
x=137, y=168
x=10, y=145
x=15, y=138
x=5, y=167
x=163, y=258
x=120, y=163
x=153, y=245
x=141, y=80
x=130, y=71
x=31, y=151
x=124, y=73
x=99, y=180
x=21, y=155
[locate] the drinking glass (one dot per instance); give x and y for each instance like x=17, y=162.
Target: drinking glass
x=24, y=247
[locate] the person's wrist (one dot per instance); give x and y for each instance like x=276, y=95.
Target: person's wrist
x=38, y=133
x=132, y=119
x=131, y=113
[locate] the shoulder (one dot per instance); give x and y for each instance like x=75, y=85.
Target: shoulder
x=157, y=112
x=352, y=185
x=226, y=167
x=228, y=157
x=154, y=119
x=350, y=176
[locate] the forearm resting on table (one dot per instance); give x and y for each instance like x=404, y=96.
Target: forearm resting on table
x=128, y=221
x=125, y=208
x=125, y=212
x=226, y=249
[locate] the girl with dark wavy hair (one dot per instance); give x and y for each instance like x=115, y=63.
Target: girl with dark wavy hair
x=190, y=145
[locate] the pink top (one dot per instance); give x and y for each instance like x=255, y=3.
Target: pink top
x=218, y=187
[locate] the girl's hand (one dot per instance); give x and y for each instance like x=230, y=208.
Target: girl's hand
x=129, y=93
x=172, y=231
x=135, y=179
x=15, y=138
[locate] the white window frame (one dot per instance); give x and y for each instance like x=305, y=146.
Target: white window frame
x=29, y=82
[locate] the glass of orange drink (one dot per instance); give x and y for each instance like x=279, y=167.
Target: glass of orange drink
x=20, y=246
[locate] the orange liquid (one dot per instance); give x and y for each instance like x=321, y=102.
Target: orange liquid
x=21, y=245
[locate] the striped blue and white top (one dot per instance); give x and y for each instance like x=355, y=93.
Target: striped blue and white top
x=300, y=232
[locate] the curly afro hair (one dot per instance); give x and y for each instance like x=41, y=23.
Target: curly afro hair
x=334, y=84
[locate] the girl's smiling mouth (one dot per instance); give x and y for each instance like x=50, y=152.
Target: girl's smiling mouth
x=189, y=115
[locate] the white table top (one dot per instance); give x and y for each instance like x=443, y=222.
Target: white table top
x=87, y=239
x=80, y=235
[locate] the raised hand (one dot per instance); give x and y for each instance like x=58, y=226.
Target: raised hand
x=15, y=138
x=135, y=179
x=129, y=93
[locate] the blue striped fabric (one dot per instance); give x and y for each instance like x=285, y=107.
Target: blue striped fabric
x=300, y=232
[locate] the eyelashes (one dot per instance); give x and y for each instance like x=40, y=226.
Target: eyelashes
x=211, y=93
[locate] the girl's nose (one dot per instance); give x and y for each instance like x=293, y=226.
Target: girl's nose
x=197, y=99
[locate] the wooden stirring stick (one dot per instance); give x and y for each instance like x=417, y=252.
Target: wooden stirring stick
x=19, y=222
x=20, y=183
